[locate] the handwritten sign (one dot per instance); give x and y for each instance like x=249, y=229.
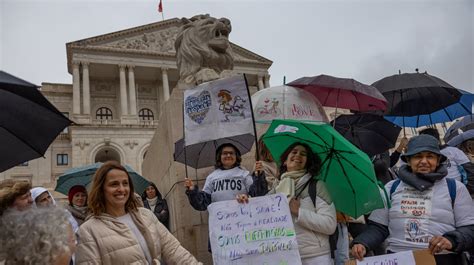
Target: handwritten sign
x=260, y=232
x=399, y=258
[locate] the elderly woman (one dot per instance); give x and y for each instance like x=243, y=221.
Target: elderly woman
x=15, y=194
x=427, y=210
x=153, y=201
x=314, y=217
x=77, y=206
x=40, y=236
x=118, y=232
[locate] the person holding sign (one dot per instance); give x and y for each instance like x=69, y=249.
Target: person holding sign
x=427, y=209
x=227, y=181
x=314, y=220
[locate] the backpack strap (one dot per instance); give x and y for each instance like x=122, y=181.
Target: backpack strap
x=312, y=190
x=452, y=190
x=394, y=187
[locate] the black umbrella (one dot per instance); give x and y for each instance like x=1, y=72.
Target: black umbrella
x=464, y=124
x=28, y=122
x=371, y=133
x=203, y=155
x=413, y=94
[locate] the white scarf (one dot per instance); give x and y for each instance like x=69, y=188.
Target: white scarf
x=152, y=203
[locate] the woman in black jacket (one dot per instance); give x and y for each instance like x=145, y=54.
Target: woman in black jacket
x=152, y=200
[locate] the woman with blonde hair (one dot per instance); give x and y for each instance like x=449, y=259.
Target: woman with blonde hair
x=119, y=232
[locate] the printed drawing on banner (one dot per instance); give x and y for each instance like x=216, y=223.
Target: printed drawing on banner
x=232, y=106
x=197, y=107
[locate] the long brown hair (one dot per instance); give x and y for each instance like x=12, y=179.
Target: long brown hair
x=96, y=195
x=263, y=152
x=313, y=161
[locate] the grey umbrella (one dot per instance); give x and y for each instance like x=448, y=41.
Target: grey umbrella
x=203, y=155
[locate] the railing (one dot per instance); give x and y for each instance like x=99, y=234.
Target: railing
x=106, y=122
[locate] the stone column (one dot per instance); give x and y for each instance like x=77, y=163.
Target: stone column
x=86, y=96
x=260, y=82
x=76, y=88
x=123, y=91
x=166, y=86
x=131, y=90
x=267, y=81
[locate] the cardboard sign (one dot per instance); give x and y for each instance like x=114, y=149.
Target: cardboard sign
x=257, y=233
x=418, y=257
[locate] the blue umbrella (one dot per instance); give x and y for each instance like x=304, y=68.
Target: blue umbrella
x=459, y=139
x=464, y=124
x=459, y=109
x=83, y=176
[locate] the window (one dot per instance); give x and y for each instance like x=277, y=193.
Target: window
x=145, y=115
x=103, y=114
x=24, y=164
x=66, y=114
x=62, y=159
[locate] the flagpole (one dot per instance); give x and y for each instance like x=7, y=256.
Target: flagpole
x=257, y=158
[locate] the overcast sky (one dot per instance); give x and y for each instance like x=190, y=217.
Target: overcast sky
x=363, y=39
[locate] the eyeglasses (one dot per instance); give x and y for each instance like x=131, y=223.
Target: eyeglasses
x=228, y=153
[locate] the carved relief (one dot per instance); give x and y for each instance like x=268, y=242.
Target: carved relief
x=82, y=144
x=161, y=41
x=131, y=143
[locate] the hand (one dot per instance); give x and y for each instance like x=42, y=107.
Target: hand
x=294, y=206
x=242, y=198
x=439, y=243
x=189, y=184
x=403, y=145
x=258, y=167
x=358, y=251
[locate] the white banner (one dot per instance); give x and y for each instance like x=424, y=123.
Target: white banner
x=256, y=233
x=217, y=109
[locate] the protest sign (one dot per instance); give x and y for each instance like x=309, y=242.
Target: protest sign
x=217, y=109
x=416, y=257
x=257, y=233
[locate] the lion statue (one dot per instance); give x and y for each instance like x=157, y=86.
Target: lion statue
x=203, y=49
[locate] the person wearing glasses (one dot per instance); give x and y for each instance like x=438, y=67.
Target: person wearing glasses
x=228, y=181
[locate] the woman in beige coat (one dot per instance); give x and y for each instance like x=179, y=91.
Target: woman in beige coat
x=118, y=232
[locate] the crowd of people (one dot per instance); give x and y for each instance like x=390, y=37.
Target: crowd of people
x=109, y=224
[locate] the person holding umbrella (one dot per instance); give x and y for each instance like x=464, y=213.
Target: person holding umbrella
x=119, y=232
x=427, y=209
x=314, y=220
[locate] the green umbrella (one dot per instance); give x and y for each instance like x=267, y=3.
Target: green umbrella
x=347, y=171
x=83, y=176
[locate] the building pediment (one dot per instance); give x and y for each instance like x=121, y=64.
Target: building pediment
x=156, y=39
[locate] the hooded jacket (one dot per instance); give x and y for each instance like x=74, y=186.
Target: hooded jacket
x=106, y=240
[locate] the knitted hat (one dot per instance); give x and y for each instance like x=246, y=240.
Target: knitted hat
x=75, y=189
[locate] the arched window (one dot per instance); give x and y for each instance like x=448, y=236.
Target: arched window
x=103, y=113
x=146, y=115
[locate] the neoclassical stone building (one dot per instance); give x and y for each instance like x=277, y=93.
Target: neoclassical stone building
x=120, y=81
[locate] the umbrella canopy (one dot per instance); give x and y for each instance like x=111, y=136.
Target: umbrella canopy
x=28, y=122
x=419, y=99
x=464, y=124
x=343, y=93
x=203, y=154
x=371, y=133
x=449, y=113
x=286, y=102
x=84, y=175
x=346, y=170
x=459, y=139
